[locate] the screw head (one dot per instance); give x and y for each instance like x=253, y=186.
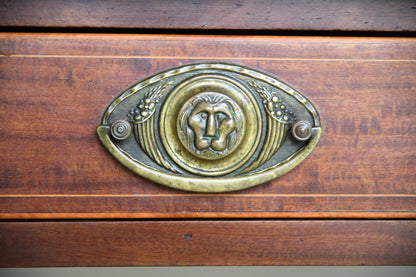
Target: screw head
x=302, y=130
x=120, y=129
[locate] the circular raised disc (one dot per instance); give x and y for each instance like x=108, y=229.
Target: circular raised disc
x=210, y=125
x=120, y=129
x=302, y=130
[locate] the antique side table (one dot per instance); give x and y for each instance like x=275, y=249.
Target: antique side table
x=66, y=201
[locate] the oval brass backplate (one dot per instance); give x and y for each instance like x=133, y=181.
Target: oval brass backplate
x=210, y=127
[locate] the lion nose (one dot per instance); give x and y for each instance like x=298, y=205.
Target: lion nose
x=211, y=127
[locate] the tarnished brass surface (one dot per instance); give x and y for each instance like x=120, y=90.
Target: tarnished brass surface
x=210, y=128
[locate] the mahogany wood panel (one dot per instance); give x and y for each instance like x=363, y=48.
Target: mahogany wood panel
x=122, y=243
x=55, y=87
x=345, y=15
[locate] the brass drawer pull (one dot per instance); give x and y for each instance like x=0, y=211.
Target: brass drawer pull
x=210, y=128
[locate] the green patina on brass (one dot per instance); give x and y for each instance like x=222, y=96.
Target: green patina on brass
x=210, y=127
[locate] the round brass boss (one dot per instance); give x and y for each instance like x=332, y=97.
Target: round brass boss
x=210, y=125
x=120, y=129
x=302, y=130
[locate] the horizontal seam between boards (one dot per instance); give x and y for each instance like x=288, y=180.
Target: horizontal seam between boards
x=200, y=58
x=204, y=195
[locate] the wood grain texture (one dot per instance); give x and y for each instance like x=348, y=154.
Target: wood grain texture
x=164, y=243
x=55, y=87
x=345, y=15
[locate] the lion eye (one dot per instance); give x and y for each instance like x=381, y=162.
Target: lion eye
x=221, y=116
x=203, y=114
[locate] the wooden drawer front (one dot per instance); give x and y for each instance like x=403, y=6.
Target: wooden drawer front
x=55, y=87
x=161, y=243
x=353, y=15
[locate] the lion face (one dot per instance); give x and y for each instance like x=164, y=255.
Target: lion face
x=211, y=124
